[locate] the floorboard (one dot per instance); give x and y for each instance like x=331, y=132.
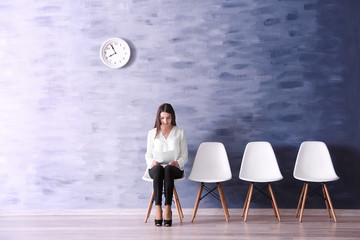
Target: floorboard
x=208, y=224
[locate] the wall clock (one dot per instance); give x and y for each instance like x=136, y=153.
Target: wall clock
x=115, y=52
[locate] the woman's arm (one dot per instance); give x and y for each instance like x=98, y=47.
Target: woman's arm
x=183, y=158
x=149, y=156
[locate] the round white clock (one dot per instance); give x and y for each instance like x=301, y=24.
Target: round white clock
x=115, y=52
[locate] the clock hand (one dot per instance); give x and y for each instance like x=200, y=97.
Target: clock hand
x=112, y=54
x=113, y=48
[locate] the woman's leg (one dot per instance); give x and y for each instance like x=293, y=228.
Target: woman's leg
x=171, y=173
x=157, y=174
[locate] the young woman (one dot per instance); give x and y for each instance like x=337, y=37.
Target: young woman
x=165, y=156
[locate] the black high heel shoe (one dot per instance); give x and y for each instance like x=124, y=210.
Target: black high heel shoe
x=167, y=223
x=168, y=214
x=158, y=223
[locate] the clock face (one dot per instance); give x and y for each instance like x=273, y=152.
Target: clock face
x=115, y=52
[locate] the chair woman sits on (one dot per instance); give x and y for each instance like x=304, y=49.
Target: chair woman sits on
x=165, y=156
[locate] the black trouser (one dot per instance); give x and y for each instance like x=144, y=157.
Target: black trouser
x=164, y=176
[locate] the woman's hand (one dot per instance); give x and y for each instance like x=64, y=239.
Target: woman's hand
x=174, y=163
x=154, y=163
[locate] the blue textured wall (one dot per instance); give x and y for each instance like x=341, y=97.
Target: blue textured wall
x=73, y=131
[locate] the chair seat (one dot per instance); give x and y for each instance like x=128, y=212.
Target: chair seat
x=319, y=180
x=209, y=180
x=264, y=180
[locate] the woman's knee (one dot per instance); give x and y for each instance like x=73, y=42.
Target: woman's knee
x=169, y=172
x=168, y=169
x=157, y=170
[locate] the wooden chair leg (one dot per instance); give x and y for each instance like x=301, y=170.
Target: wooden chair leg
x=149, y=207
x=181, y=211
x=300, y=200
x=272, y=204
x=273, y=201
x=197, y=202
x=176, y=200
x=245, y=203
x=248, y=201
x=326, y=201
x=223, y=202
x=303, y=202
x=330, y=203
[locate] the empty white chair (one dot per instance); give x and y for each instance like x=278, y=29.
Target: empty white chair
x=211, y=165
x=259, y=165
x=314, y=164
x=146, y=177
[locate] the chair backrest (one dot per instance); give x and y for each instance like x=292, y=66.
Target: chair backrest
x=259, y=163
x=313, y=163
x=211, y=164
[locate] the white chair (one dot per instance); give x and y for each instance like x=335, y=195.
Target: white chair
x=259, y=165
x=211, y=165
x=313, y=164
x=146, y=177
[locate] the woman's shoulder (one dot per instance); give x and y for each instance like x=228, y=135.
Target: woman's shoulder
x=152, y=131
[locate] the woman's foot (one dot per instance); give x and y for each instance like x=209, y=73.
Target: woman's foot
x=168, y=216
x=158, y=216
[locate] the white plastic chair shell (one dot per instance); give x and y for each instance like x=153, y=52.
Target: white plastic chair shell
x=313, y=163
x=211, y=164
x=259, y=163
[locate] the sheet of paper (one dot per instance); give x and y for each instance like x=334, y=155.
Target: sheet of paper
x=164, y=157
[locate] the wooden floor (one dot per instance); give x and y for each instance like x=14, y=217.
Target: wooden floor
x=209, y=224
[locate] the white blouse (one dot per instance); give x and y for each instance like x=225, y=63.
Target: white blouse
x=176, y=141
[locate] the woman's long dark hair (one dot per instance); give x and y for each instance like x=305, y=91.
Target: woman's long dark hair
x=166, y=107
